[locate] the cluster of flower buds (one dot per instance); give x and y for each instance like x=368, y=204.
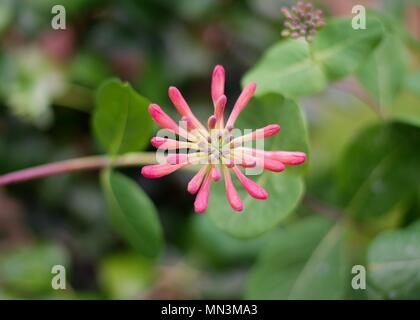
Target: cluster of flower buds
x=215, y=147
x=302, y=21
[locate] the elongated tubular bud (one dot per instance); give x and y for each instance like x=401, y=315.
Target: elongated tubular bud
x=160, y=170
x=263, y=161
x=195, y=182
x=227, y=160
x=165, y=121
x=288, y=157
x=194, y=133
x=269, y=164
x=244, y=159
x=215, y=173
x=232, y=194
x=171, y=144
x=217, y=83
x=182, y=106
x=188, y=123
x=261, y=133
x=202, y=200
x=241, y=103
x=211, y=123
x=254, y=189
x=219, y=109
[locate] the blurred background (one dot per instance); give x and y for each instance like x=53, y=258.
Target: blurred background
x=47, y=83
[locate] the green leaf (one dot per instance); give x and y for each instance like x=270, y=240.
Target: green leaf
x=383, y=74
x=132, y=213
x=380, y=169
x=287, y=68
x=295, y=68
x=341, y=50
x=213, y=246
x=274, y=109
x=28, y=269
x=285, y=189
x=259, y=216
x=342, y=114
x=394, y=263
x=303, y=261
x=121, y=121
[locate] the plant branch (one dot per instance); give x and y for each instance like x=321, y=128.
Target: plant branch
x=79, y=164
x=352, y=87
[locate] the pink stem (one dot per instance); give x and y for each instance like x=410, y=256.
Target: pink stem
x=79, y=164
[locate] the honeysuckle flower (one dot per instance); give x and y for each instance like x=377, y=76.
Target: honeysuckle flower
x=302, y=21
x=215, y=146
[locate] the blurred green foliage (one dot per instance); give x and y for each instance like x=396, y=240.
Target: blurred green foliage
x=304, y=261
x=121, y=121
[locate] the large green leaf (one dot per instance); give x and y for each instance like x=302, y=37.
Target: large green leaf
x=380, y=169
x=341, y=50
x=274, y=109
x=213, y=246
x=342, y=114
x=287, y=68
x=303, y=261
x=383, y=74
x=285, y=189
x=121, y=121
x=394, y=263
x=132, y=213
x=295, y=68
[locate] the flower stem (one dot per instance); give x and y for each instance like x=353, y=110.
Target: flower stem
x=311, y=51
x=79, y=164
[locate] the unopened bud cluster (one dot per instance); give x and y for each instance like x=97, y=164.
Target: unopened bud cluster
x=302, y=21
